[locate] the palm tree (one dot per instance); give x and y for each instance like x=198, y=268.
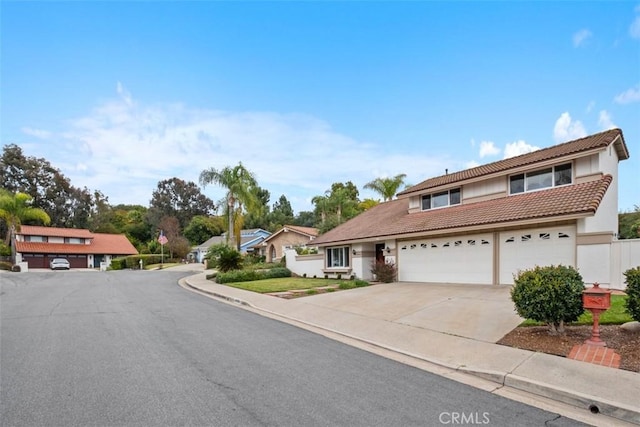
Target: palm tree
x=322, y=205
x=240, y=184
x=386, y=187
x=14, y=210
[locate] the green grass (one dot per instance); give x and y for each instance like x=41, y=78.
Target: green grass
x=289, y=284
x=616, y=315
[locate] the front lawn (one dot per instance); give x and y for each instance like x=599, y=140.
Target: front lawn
x=616, y=315
x=283, y=284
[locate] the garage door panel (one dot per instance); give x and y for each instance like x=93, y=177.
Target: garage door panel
x=525, y=249
x=463, y=259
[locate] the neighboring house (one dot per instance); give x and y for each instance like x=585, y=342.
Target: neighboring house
x=38, y=245
x=288, y=237
x=557, y=205
x=249, y=240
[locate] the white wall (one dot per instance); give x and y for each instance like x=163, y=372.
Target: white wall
x=606, y=217
x=311, y=265
x=594, y=265
x=484, y=188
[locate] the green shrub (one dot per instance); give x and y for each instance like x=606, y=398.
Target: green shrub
x=238, y=276
x=360, y=283
x=224, y=258
x=277, y=272
x=5, y=250
x=250, y=275
x=384, y=272
x=633, y=292
x=550, y=294
x=117, y=264
x=4, y=265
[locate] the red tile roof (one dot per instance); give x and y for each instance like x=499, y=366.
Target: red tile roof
x=392, y=218
x=36, y=230
x=101, y=244
x=593, y=142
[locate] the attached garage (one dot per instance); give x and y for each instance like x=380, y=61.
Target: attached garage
x=459, y=259
x=524, y=249
x=36, y=260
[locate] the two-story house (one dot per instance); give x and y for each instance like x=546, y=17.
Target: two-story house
x=557, y=205
x=37, y=246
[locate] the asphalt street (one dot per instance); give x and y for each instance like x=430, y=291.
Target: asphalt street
x=132, y=348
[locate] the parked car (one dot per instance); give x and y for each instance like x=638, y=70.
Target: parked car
x=59, y=264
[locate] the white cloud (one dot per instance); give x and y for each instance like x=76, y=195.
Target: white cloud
x=581, y=37
x=566, y=129
x=38, y=133
x=634, y=29
x=605, y=121
x=591, y=106
x=628, y=96
x=124, y=148
x=488, y=148
x=518, y=147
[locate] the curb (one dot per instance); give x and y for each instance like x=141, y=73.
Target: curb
x=591, y=403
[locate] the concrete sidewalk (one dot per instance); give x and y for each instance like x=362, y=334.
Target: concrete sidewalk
x=407, y=319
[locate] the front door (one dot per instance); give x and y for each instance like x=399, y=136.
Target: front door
x=379, y=252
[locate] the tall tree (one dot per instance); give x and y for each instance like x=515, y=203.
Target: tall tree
x=201, y=228
x=16, y=209
x=240, y=184
x=281, y=214
x=386, y=187
x=180, y=199
x=51, y=191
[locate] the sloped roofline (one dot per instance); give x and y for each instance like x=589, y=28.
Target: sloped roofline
x=598, y=141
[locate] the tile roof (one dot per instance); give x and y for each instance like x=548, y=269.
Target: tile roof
x=597, y=141
x=392, y=218
x=37, y=230
x=101, y=244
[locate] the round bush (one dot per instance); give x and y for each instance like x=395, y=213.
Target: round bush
x=551, y=294
x=633, y=292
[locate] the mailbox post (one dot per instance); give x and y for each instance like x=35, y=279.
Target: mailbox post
x=596, y=300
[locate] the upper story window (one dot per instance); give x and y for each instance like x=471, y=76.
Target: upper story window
x=441, y=199
x=337, y=257
x=35, y=239
x=75, y=240
x=543, y=178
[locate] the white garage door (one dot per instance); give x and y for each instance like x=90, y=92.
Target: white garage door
x=461, y=259
x=524, y=249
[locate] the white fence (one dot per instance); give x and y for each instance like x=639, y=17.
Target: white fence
x=625, y=254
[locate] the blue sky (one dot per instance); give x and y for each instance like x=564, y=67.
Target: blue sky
x=122, y=95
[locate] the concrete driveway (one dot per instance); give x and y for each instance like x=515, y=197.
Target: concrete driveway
x=480, y=312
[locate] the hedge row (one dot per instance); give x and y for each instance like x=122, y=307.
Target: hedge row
x=250, y=275
x=133, y=261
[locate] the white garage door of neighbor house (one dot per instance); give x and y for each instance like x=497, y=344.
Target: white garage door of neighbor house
x=524, y=249
x=459, y=259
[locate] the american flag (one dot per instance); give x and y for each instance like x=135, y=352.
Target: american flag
x=162, y=239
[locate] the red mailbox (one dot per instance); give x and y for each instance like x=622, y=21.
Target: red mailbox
x=596, y=300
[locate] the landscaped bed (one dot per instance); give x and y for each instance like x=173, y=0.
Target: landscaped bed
x=534, y=336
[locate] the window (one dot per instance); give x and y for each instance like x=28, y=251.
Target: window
x=543, y=178
x=35, y=239
x=441, y=199
x=74, y=240
x=338, y=257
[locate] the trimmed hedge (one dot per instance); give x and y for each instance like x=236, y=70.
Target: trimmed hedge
x=4, y=265
x=133, y=261
x=551, y=294
x=250, y=275
x=633, y=292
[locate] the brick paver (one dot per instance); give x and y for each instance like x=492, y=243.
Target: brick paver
x=595, y=354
